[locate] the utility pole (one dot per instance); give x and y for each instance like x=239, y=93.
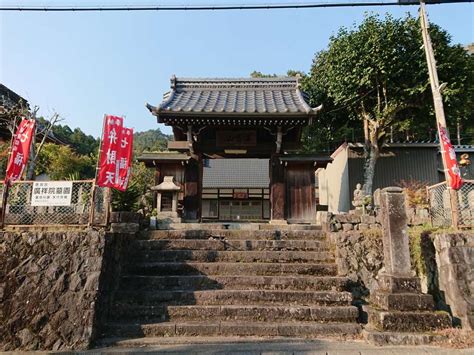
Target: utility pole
x=458, y=131
x=438, y=106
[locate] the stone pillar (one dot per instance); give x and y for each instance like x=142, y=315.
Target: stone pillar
x=398, y=306
x=158, y=180
x=277, y=191
x=174, y=206
x=158, y=202
x=396, y=248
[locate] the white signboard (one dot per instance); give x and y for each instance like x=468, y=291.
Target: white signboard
x=51, y=193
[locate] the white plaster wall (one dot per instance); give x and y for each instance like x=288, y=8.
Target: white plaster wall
x=334, y=184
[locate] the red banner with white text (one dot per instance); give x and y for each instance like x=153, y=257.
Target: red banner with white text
x=20, y=151
x=115, y=161
x=455, y=180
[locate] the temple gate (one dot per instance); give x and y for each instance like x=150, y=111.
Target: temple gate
x=257, y=118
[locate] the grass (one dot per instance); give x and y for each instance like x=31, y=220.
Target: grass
x=417, y=238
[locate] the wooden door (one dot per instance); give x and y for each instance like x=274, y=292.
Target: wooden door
x=300, y=193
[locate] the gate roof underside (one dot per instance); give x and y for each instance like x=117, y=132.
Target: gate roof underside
x=234, y=102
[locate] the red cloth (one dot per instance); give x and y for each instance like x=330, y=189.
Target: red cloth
x=115, y=161
x=20, y=150
x=455, y=180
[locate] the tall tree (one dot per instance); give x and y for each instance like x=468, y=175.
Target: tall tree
x=60, y=162
x=376, y=73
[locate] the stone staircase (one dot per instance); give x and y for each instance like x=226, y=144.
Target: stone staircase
x=232, y=283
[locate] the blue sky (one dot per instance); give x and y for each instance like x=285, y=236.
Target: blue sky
x=83, y=65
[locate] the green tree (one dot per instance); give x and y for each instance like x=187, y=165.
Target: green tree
x=151, y=140
x=60, y=162
x=376, y=74
x=258, y=74
x=81, y=143
x=135, y=197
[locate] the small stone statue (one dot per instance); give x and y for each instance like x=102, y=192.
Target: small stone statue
x=358, y=201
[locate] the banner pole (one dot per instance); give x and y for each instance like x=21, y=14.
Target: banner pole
x=6, y=185
x=439, y=109
x=94, y=184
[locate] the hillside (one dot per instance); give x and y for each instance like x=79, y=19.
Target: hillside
x=151, y=140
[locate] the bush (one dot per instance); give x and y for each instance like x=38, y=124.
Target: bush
x=416, y=192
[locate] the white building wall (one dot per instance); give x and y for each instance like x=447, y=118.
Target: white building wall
x=334, y=183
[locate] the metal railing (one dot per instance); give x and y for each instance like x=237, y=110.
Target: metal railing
x=87, y=205
x=440, y=205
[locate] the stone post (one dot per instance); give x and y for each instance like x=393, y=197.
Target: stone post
x=158, y=202
x=398, y=310
x=395, y=232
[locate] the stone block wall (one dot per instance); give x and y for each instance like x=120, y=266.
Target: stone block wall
x=359, y=255
x=352, y=221
x=55, y=287
x=418, y=216
x=448, y=260
x=455, y=263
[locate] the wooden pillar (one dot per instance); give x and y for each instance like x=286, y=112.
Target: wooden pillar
x=158, y=179
x=277, y=191
x=192, y=190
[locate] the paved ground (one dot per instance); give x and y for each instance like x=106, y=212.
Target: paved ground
x=234, y=346
x=266, y=347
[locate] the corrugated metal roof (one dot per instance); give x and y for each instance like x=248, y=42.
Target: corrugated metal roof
x=237, y=173
x=246, y=96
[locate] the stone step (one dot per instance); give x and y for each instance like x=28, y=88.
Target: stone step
x=267, y=269
x=231, y=297
x=233, y=256
x=248, y=313
x=233, y=282
x=235, y=234
x=403, y=301
x=239, y=226
x=290, y=227
x=414, y=321
x=236, y=245
x=263, y=329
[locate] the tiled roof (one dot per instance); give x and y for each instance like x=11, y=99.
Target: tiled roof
x=245, y=96
x=457, y=148
x=9, y=98
x=237, y=173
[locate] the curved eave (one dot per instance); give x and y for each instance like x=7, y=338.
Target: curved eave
x=213, y=114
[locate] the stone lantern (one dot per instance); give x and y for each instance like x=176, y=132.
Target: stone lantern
x=167, y=200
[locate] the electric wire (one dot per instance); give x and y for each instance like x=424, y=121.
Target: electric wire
x=270, y=6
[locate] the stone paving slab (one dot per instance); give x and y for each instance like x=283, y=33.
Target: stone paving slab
x=260, y=346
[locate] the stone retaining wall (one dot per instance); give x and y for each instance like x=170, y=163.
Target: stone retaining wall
x=447, y=258
x=55, y=287
x=352, y=221
x=455, y=261
x=359, y=255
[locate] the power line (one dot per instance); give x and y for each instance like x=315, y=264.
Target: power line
x=270, y=6
x=202, y=7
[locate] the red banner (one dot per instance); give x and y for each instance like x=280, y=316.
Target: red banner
x=115, y=161
x=455, y=180
x=20, y=150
